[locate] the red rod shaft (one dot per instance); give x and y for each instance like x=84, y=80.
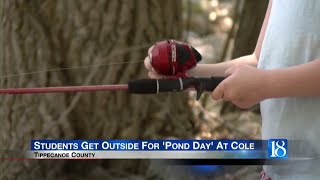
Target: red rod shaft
x=115, y=87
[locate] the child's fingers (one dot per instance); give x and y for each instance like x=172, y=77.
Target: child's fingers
x=147, y=63
x=154, y=75
x=218, y=92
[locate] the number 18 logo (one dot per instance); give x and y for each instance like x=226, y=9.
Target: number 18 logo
x=278, y=148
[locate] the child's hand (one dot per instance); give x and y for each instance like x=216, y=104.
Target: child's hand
x=152, y=73
x=244, y=86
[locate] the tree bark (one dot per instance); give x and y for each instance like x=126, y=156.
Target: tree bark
x=251, y=20
x=44, y=34
x=247, y=35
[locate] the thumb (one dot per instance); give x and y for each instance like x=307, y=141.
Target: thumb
x=218, y=92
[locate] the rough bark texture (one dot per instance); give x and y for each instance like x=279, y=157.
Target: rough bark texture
x=46, y=34
x=247, y=35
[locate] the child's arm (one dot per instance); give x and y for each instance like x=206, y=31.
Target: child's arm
x=297, y=81
x=207, y=70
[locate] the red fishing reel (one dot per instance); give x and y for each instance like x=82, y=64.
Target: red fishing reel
x=173, y=58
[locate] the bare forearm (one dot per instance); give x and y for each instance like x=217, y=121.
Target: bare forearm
x=297, y=81
x=207, y=70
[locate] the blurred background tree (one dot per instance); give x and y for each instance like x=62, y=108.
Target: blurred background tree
x=39, y=35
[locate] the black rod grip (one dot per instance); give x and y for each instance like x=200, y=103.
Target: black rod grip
x=152, y=86
x=202, y=84
x=209, y=84
x=142, y=86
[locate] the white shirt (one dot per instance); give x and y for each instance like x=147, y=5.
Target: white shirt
x=292, y=38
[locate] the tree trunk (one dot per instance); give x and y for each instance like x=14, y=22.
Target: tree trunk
x=249, y=28
x=247, y=35
x=44, y=34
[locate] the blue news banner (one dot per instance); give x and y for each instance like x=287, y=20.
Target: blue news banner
x=160, y=149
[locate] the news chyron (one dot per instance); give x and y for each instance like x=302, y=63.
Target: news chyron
x=221, y=151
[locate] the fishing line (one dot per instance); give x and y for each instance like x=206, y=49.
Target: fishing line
x=69, y=68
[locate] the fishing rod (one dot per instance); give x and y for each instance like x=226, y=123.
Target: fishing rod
x=169, y=57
